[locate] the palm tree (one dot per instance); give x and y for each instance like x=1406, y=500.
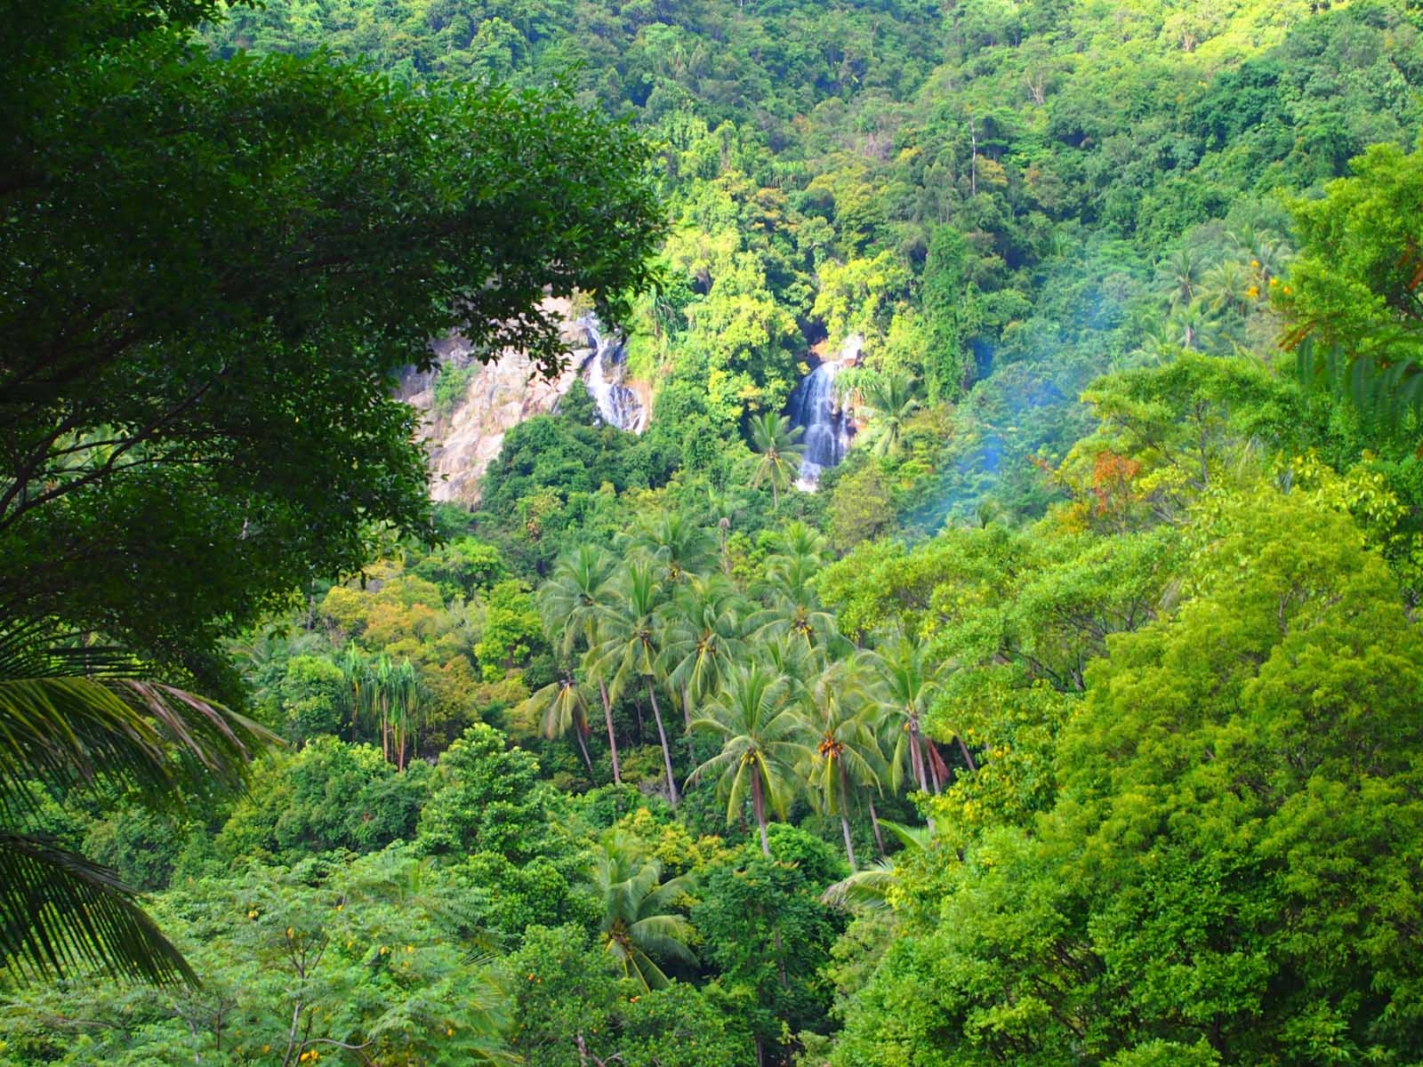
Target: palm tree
x=403, y=703
x=870, y=887
x=847, y=754
x=562, y=705
x=1227, y=287
x=793, y=607
x=630, y=645
x=572, y=603
x=387, y=695
x=796, y=542
x=775, y=441
x=908, y=684
x=75, y=716
x=723, y=504
x=891, y=401
x=763, y=741
x=1194, y=328
x=702, y=638
x=1180, y=276
x=675, y=542
x=636, y=919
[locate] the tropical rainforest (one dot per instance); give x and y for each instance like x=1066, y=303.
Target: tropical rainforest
x=1072, y=719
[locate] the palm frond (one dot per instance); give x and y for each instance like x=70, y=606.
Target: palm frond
x=865, y=888
x=664, y=935
x=59, y=913
x=154, y=738
x=1381, y=374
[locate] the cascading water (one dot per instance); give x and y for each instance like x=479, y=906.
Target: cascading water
x=602, y=372
x=828, y=430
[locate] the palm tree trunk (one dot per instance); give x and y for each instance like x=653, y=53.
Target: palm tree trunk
x=933, y=759
x=849, y=848
x=687, y=714
x=666, y=749
x=844, y=807
x=612, y=738
x=874, y=821
x=916, y=756
x=963, y=748
x=758, y=805
x=583, y=748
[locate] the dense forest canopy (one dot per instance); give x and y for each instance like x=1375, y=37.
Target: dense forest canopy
x=1071, y=720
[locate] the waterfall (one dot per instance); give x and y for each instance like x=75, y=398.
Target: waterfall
x=814, y=406
x=602, y=372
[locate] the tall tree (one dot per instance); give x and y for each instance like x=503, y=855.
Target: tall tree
x=635, y=913
x=908, y=683
x=200, y=253
x=775, y=441
x=847, y=751
x=764, y=738
x=573, y=602
x=631, y=645
x=890, y=400
x=562, y=706
x=703, y=638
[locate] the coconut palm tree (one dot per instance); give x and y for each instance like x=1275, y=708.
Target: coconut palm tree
x=675, y=542
x=775, y=440
x=792, y=607
x=1179, y=275
x=870, y=888
x=635, y=909
x=891, y=400
x=702, y=638
x=908, y=683
x=630, y=641
x=1228, y=287
x=572, y=603
x=847, y=755
x=562, y=706
x=796, y=542
x=764, y=738
x=78, y=717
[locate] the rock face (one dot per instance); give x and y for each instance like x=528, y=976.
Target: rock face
x=463, y=438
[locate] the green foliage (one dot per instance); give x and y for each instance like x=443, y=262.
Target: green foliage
x=297, y=963
x=768, y=934
x=486, y=798
x=173, y=459
x=330, y=795
x=1222, y=764
x=314, y=698
x=1141, y=663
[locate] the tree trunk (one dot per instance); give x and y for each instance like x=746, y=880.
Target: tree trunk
x=612, y=739
x=845, y=822
x=758, y=805
x=687, y=714
x=849, y=848
x=583, y=748
x=874, y=821
x=963, y=748
x=666, y=749
x=916, y=756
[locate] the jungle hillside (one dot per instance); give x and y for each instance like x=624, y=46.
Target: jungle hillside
x=954, y=602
